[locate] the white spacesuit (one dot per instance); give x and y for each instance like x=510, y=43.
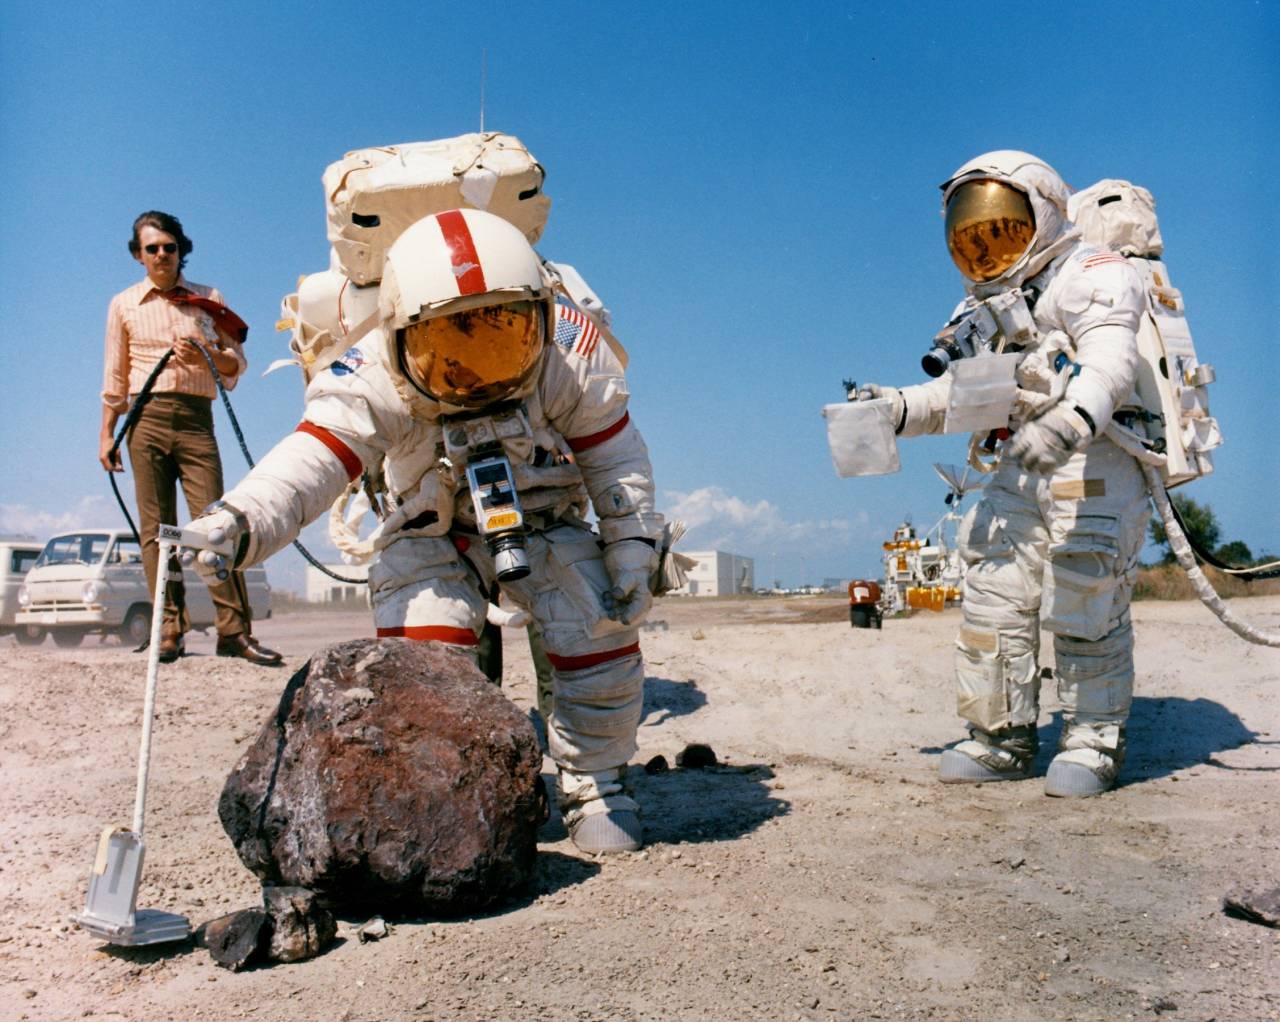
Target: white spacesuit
x=1055, y=540
x=476, y=384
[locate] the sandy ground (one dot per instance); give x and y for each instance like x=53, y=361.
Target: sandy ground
x=824, y=874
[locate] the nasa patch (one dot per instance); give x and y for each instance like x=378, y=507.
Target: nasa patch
x=351, y=360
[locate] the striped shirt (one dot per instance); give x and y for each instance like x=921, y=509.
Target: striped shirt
x=142, y=326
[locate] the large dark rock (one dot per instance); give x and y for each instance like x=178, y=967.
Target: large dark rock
x=393, y=779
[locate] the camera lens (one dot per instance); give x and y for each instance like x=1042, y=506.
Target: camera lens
x=935, y=362
x=510, y=562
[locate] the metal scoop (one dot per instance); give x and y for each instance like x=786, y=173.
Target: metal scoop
x=110, y=908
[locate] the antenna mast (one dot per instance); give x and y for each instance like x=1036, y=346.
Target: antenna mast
x=484, y=54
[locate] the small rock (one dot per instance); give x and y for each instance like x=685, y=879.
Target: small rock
x=28, y=993
x=237, y=939
x=697, y=634
x=1257, y=906
x=1062, y=955
x=1163, y=1004
x=375, y=929
x=657, y=765
x=696, y=757
x=300, y=927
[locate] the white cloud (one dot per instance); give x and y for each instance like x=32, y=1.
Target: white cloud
x=91, y=512
x=719, y=520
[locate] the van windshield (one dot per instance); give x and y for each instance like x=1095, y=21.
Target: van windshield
x=81, y=548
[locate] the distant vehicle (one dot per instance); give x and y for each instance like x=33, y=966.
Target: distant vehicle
x=93, y=581
x=16, y=558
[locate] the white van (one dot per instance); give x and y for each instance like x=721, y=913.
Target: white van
x=16, y=558
x=93, y=581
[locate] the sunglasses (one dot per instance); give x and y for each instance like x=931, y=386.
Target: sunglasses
x=169, y=247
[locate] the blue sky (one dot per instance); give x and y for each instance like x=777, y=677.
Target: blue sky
x=752, y=189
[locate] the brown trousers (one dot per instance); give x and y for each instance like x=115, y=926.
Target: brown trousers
x=173, y=440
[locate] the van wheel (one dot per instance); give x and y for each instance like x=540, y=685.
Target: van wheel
x=67, y=637
x=29, y=635
x=137, y=625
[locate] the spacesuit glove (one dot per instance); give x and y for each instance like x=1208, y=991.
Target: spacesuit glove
x=630, y=564
x=1045, y=444
x=218, y=542
x=874, y=391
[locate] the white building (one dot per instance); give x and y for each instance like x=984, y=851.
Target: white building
x=323, y=589
x=718, y=574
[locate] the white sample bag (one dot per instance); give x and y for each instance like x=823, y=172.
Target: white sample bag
x=862, y=439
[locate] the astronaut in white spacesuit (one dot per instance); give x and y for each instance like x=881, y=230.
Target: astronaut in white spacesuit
x=1055, y=540
x=500, y=414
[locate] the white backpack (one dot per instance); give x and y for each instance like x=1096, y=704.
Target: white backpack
x=1172, y=381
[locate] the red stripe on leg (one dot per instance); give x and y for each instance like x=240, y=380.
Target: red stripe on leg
x=581, y=663
x=425, y=633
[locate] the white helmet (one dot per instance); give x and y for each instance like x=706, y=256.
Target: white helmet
x=468, y=304
x=1006, y=214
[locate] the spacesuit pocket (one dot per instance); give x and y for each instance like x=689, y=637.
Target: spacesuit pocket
x=981, y=535
x=576, y=584
x=1081, y=578
x=980, y=694
x=412, y=560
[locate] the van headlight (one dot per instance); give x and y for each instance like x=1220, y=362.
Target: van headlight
x=90, y=592
x=24, y=597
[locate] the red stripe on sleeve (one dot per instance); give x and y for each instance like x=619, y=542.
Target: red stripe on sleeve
x=344, y=453
x=581, y=663
x=462, y=247
x=583, y=443
x=439, y=633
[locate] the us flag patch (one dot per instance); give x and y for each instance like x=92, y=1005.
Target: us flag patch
x=575, y=332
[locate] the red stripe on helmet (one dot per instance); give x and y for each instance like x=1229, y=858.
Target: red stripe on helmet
x=462, y=252
x=344, y=453
x=581, y=663
x=424, y=633
x=582, y=443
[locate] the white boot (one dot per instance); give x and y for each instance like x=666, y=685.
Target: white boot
x=1088, y=761
x=601, y=819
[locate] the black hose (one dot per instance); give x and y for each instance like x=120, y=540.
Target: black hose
x=1244, y=574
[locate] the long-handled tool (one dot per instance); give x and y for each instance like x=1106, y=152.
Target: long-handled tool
x=110, y=908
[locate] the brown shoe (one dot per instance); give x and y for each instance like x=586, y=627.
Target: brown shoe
x=247, y=648
x=171, y=647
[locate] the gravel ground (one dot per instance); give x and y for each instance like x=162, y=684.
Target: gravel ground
x=819, y=872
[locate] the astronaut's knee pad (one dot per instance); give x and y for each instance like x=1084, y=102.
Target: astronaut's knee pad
x=1095, y=678
x=997, y=683
x=420, y=590
x=1082, y=578
x=597, y=708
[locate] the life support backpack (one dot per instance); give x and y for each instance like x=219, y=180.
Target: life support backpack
x=1172, y=382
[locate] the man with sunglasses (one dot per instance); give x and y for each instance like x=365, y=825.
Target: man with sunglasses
x=173, y=439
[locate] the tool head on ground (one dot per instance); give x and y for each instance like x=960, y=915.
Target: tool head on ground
x=110, y=908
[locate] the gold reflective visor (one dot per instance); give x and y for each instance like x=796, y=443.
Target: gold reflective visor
x=474, y=358
x=989, y=225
